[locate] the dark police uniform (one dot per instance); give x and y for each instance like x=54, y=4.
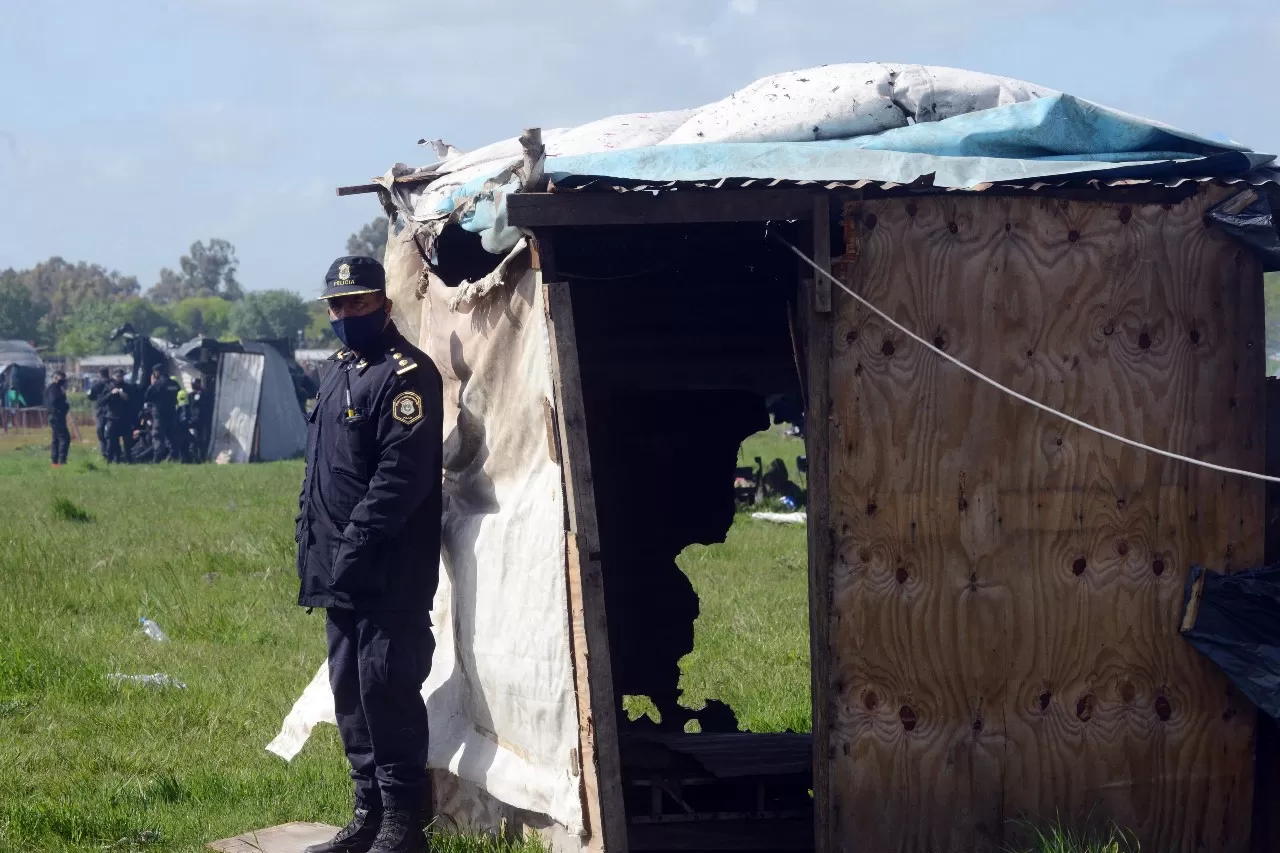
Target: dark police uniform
x=368, y=532
x=55, y=401
x=196, y=444
x=163, y=397
x=119, y=429
x=98, y=396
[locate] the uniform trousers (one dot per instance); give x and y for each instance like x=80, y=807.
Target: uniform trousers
x=161, y=438
x=61, y=439
x=100, y=425
x=378, y=661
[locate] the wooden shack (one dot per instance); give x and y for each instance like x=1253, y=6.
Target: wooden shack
x=995, y=593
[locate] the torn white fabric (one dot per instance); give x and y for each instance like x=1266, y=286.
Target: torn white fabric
x=469, y=291
x=501, y=697
x=315, y=705
x=781, y=517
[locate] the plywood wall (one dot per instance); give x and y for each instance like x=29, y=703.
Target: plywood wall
x=1006, y=588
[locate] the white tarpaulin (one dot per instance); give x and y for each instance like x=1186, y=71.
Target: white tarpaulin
x=235, y=411
x=500, y=698
x=282, y=428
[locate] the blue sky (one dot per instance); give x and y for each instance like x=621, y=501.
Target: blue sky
x=130, y=128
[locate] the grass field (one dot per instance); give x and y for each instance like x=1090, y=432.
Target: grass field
x=207, y=552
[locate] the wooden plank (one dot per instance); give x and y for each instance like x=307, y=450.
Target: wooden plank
x=821, y=225
x=597, y=714
x=1007, y=588
x=358, y=189
x=404, y=180
x=1266, y=797
x=817, y=334
x=286, y=838
x=707, y=835
x=542, y=210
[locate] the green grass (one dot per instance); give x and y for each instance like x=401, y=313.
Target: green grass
x=91, y=765
x=1058, y=838
x=751, y=640
x=207, y=552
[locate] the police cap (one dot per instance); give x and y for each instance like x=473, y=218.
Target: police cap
x=352, y=275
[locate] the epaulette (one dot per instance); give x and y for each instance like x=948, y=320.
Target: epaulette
x=403, y=363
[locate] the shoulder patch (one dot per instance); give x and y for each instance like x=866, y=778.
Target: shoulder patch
x=407, y=408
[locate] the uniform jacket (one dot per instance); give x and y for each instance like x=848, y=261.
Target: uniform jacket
x=98, y=396
x=368, y=525
x=163, y=397
x=116, y=406
x=55, y=400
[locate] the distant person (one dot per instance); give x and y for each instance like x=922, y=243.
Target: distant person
x=13, y=401
x=197, y=437
x=98, y=396
x=117, y=405
x=55, y=402
x=163, y=397
x=368, y=531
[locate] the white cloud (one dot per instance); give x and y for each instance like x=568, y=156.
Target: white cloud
x=699, y=46
x=745, y=7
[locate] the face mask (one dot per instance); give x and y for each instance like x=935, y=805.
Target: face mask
x=359, y=332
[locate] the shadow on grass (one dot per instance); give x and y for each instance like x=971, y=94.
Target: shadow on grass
x=65, y=509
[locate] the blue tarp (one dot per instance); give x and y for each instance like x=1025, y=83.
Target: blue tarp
x=1055, y=136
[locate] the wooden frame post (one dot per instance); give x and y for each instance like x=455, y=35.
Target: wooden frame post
x=604, y=811
x=816, y=311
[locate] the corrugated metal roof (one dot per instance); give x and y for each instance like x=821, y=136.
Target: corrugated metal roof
x=1261, y=177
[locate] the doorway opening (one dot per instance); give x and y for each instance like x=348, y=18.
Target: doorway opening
x=686, y=346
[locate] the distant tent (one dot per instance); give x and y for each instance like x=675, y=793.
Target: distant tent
x=256, y=416
x=21, y=368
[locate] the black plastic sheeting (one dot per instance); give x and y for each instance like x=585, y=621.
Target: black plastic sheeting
x=1237, y=626
x=1248, y=217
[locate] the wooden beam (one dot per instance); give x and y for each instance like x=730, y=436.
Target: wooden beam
x=534, y=210
x=532, y=174
x=407, y=180
x=605, y=813
x=817, y=428
x=822, y=253
x=787, y=834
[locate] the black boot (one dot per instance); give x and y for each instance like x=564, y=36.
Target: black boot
x=356, y=837
x=401, y=832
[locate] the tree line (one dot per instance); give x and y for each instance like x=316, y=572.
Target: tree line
x=70, y=309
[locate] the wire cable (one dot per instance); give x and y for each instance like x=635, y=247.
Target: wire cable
x=1025, y=399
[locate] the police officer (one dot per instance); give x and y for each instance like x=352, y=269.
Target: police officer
x=163, y=397
x=118, y=407
x=98, y=396
x=368, y=532
x=55, y=402
x=198, y=442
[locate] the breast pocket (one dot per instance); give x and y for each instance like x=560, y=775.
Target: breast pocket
x=355, y=443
